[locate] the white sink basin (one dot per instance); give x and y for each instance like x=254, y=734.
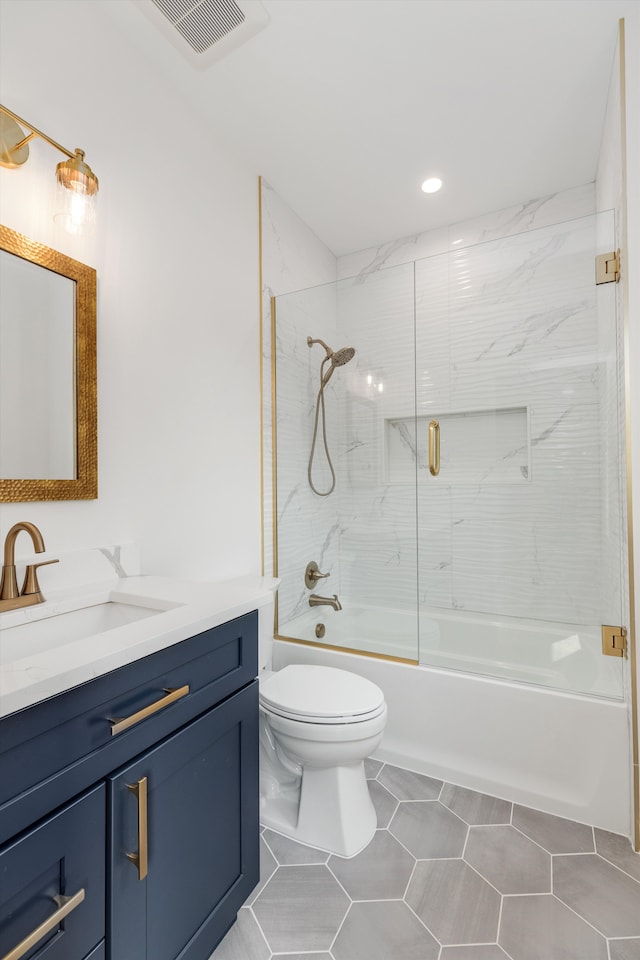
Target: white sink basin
x=39, y=636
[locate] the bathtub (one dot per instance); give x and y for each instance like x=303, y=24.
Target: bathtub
x=522, y=710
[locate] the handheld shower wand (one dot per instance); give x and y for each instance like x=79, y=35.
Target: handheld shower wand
x=336, y=358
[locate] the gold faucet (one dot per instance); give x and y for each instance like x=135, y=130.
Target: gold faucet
x=316, y=601
x=10, y=597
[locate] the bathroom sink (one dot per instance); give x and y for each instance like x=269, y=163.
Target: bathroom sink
x=42, y=635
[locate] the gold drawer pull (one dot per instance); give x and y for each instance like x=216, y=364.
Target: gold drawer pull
x=118, y=724
x=141, y=858
x=434, y=448
x=65, y=906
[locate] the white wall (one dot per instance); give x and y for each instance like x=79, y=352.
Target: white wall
x=176, y=254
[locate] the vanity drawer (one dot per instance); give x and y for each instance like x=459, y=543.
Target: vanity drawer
x=64, y=858
x=55, y=749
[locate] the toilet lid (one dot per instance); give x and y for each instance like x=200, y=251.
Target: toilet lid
x=321, y=695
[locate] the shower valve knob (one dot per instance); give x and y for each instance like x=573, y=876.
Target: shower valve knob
x=312, y=575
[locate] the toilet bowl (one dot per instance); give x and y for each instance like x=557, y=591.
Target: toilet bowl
x=317, y=726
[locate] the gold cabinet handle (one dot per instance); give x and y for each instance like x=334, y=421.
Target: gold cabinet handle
x=65, y=906
x=434, y=448
x=118, y=724
x=141, y=858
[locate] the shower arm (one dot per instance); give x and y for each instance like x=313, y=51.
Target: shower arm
x=312, y=340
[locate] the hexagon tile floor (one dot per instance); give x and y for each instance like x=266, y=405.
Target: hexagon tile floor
x=449, y=875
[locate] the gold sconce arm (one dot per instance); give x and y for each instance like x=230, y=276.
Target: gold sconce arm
x=77, y=183
x=8, y=149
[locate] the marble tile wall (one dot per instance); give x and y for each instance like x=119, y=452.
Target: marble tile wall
x=543, y=212
x=500, y=325
x=499, y=314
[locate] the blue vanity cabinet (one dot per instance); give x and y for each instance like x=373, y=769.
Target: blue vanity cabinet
x=198, y=822
x=52, y=884
x=165, y=748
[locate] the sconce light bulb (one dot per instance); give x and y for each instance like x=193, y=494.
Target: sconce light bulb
x=76, y=195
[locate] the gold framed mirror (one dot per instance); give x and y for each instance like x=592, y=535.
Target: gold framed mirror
x=48, y=378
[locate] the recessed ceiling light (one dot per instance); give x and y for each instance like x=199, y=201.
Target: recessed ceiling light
x=432, y=185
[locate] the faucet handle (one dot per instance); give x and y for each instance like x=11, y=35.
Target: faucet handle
x=312, y=575
x=30, y=584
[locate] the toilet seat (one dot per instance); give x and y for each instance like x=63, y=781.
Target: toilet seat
x=321, y=695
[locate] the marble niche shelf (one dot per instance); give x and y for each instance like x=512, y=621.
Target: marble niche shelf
x=476, y=446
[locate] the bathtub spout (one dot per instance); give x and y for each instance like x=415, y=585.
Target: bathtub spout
x=316, y=601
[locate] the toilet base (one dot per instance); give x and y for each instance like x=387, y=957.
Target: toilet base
x=334, y=811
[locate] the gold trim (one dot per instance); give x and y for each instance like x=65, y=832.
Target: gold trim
x=274, y=440
x=360, y=653
x=261, y=343
x=73, y=173
x=614, y=641
x=85, y=486
x=141, y=858
x=65, y=906
x=34, y=130
x=274, y=461
x=434, y=448
x=608, y=267
x=120, y=724
x=632, y=638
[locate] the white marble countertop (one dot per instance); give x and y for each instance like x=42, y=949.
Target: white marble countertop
x=186, y=608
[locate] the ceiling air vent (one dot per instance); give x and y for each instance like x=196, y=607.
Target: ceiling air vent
x=206, y=30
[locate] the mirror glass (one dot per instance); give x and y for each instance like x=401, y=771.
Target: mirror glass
x=48, y=437
x=37, y=375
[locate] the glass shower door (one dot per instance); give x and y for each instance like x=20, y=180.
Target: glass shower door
x=519, y=547
x=364, y=532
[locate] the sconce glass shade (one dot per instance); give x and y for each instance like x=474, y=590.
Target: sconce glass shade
x=76, y=195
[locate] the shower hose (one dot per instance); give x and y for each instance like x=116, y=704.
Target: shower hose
x=321, y=408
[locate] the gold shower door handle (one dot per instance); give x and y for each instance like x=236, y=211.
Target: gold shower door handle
x=65, y=906
x=141, y=858
x=434, y=448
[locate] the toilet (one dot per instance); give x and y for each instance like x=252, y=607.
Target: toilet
x=317, y=726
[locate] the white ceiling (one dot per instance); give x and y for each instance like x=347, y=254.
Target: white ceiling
x=345, y=106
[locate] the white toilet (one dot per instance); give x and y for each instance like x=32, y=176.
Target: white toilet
x=317, y=726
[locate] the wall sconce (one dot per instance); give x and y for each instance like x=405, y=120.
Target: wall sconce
x=77, y=184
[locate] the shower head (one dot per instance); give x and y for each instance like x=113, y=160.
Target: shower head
x=342, y=356
x=337, y=357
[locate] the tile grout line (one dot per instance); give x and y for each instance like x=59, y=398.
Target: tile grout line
x=579, y=915
x=466, y=841
x=420, y=920
x=348, y=895
x=264, y=936
x=499, y=918
x=616, y=867
x=406, y=889
x=488, y=882
x=570, y=853
x=342, y=923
